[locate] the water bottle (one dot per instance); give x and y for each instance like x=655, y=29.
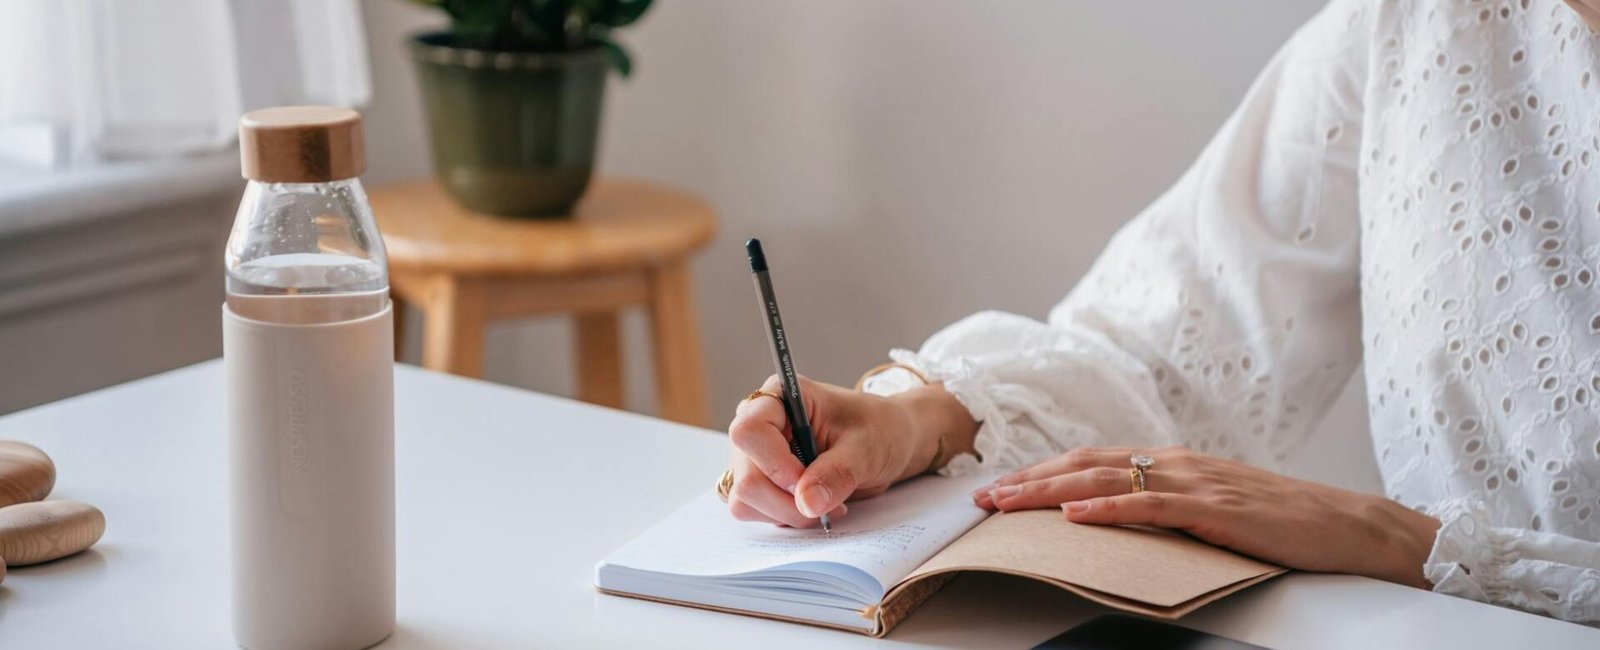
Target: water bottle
x=308, y=344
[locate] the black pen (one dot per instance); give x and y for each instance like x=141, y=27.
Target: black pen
x=803, y=444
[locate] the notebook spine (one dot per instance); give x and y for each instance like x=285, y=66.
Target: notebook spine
x=905, y=599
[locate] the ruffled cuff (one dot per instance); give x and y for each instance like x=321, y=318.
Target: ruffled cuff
x=973, y=395
x=999, y=445
x=1469, y=557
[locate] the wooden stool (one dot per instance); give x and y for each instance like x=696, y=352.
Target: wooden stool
x=628, y=244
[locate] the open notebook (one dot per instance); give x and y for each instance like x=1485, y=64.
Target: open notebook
x=893, y=551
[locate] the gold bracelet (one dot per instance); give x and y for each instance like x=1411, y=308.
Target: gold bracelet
x=875, y=370
x=933, y=463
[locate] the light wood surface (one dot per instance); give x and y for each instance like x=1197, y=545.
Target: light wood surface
x=599, y=359
x=402, y=324
x=26, y=473
x=628, y=245
x=677, y=345
x=301, y=144
x=452, y=340
x=619, y=225
x=42, y=531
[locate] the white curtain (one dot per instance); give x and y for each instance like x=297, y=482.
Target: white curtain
x=83, y=81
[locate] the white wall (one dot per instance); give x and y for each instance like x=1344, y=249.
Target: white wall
x=907, y=162
x=110, y=273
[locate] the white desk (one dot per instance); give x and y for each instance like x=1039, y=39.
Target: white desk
x=506, y=501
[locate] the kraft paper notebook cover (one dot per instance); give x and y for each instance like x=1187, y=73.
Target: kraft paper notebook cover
x=894, y=551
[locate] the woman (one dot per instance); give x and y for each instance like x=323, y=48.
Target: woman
x=1415, y=185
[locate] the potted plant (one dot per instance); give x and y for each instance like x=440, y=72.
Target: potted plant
x=512, y=91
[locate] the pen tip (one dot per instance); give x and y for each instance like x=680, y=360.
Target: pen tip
x=827, y=525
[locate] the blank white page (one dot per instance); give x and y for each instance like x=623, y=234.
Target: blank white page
x=886, y=536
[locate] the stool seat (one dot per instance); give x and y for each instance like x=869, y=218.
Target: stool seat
x=628, y=244
x=620, y=224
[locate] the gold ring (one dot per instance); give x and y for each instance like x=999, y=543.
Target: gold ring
x=759, y=393
x=724, y=485
x=1141, y=463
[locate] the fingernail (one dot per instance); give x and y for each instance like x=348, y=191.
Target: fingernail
x=814, y=500
x=1005, y=492
x=789, y=488
x=984, y=490
x=1075, y=507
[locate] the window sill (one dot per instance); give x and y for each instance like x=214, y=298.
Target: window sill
x=33, y=200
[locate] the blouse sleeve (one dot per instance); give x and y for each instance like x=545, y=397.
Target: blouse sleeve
x=1534, y=571
x=1224, y=317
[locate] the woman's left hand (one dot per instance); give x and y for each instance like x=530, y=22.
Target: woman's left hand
x=1294, y=523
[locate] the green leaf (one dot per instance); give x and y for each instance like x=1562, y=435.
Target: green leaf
x=446, y=6
x=541, y=25
x=617, y=13
x=578, y=26
x=544, y=22
x=480, y=23
x=617, y=57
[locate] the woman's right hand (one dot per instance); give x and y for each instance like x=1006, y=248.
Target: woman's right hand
x=866, y=443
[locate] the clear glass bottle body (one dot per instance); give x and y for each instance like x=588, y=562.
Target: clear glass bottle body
x=306, y=253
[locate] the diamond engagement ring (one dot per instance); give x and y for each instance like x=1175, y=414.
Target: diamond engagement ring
x=1141, y=464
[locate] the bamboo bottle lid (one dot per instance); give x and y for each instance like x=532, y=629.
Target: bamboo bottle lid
x=301, y=144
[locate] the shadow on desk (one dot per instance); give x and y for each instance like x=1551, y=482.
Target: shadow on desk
x=418, y=636
x=966, y=613
x=986, y=610
x=19, y=580
x=970, y=611
x=89, y=563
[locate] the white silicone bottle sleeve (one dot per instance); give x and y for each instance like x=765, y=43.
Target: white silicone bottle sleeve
x=311, y=426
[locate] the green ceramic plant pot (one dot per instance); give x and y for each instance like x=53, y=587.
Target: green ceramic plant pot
x=513, y=132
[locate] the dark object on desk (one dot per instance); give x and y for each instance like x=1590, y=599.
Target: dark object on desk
x=1120, y=632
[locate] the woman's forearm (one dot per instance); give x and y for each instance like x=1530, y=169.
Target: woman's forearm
x=940, y=426
x=1406, y=539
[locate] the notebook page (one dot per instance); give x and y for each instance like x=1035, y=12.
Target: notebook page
x=886, y=536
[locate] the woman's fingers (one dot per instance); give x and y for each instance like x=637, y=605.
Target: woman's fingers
x=1076, y=460
x=757, y=431
x=830, y=479
x=1055, y=490
x=746, y=512
x=1162, y=509
x=771, y=502
x=769, y=484
x=799, y=495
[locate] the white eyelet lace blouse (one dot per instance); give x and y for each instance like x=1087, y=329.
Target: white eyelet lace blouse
x=1413, y=184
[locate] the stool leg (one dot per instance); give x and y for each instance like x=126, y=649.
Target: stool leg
x=400, y=324
x=599, y=359
x=680, y=378
x=453, y=339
